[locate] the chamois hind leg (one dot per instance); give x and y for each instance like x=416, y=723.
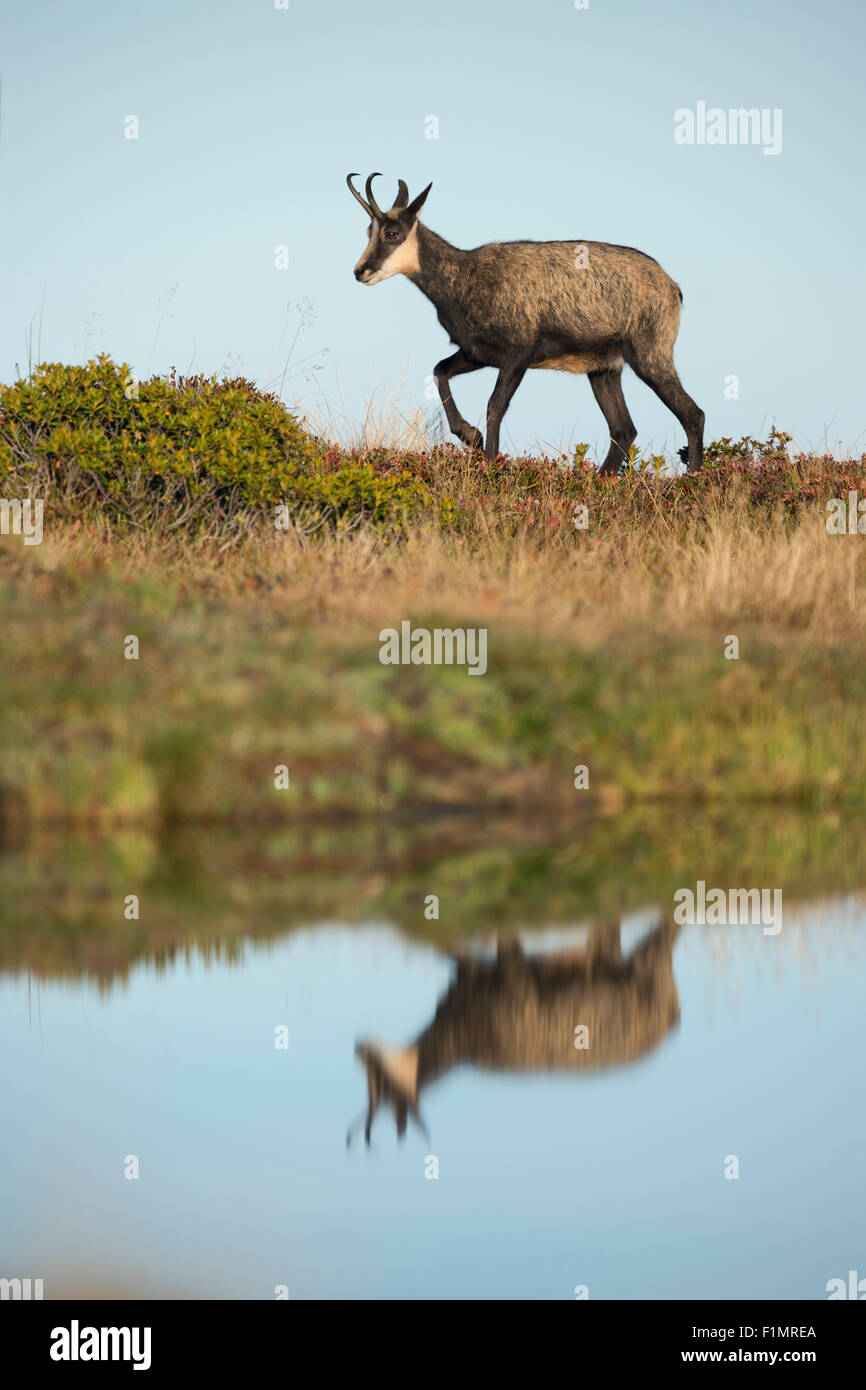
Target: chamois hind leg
x=661, y=376
x=607, y=389
x=457, y=365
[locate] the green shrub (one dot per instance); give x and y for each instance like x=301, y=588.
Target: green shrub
x=193, y=451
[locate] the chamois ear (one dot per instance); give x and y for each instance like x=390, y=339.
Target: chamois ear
x=417, y=203
x=402, y=195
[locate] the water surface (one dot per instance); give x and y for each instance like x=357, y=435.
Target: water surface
x=558, y=1167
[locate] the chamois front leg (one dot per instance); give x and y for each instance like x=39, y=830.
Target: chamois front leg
x=457, y=365
x=510, y=377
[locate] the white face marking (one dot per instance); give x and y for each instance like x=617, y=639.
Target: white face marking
x=403, y=260
x=403, y=1066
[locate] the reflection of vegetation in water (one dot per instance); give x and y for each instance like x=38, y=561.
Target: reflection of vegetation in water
x=63, y=901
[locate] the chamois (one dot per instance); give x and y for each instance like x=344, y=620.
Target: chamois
x=570, y=306
x=518, y=1013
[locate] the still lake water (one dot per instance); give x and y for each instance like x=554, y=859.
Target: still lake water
x=557, y=1166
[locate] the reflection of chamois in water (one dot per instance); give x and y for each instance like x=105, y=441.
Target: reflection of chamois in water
x=519, y=1013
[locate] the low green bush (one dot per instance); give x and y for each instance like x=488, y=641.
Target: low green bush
x=190, y=451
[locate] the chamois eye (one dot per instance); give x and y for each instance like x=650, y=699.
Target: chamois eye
x=391, y=234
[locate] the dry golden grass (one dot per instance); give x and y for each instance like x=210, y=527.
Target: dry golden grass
x=628, y=582
x=393, y=419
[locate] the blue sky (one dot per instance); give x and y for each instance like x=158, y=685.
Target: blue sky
x=553, y=122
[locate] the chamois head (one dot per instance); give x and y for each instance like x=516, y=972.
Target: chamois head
x=392, y=247
x=391, y=1081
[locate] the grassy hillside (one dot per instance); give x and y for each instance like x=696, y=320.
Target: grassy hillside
x=256, y=566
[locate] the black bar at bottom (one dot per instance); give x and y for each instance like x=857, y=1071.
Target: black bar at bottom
x=224, y=1337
